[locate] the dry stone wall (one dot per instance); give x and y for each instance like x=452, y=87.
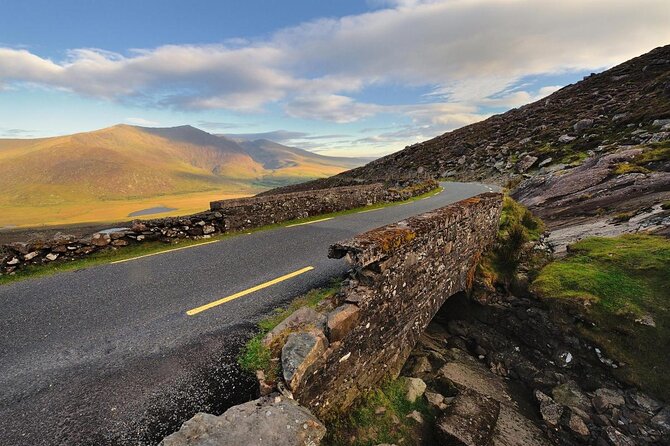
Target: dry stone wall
x=223, y=217
x=402, y=274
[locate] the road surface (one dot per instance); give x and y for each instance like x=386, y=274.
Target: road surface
x=123, y=353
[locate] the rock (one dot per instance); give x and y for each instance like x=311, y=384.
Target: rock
x=208, y=229
x=341, y=320
x=646, y=320
x=550, y=410
x=569, y=394
x=645, y=402
x=577, y=425
x=100, y=240
x=30, y=255
x=51, y=256
x=138, y=227
x=268, y=421
x=119, y=243
x=21, y=247
x=419, y=365
x=380, y=410
x=662, y=420
x=582, y=125
x=301, y=350
x=660, y=122
x=14, y=261
x=470, y=420
x=615, y=438
x=414, y=389
x=545, y=162
x=566, y=139
x=659, y=137
x=416, y=416
x=607, y=399
x=301, y=318
x=526, y=163
x=435, y=400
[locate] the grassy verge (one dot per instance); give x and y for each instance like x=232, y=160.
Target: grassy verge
x=142, y=249
x=254, y=355
x=612, y=282
x=517, y=227
x=380, y=417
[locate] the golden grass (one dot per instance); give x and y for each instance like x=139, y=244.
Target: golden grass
x=109, y=211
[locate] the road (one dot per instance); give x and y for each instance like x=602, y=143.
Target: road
x=123, y=353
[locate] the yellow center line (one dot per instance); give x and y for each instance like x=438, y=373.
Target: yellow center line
x=165, y=252
x=200, y=309
x=309, y=222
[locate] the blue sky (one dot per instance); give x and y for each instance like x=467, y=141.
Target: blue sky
x=338, y=77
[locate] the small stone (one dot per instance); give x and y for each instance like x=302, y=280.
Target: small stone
x=577, y=425
x=607, y=399
x=615, y=438
x=435, y=400
x=526, y=163
x=30, y=255
x=416, y=416
x=550, y=410
x=660, y=122
x=545, y=162
x=582, y=125
x=51, y=256
x=208, y=229
x=300, y=352
x=566, y=139
x=414, y=388
x=138, y=227
x=14, y=261
x=119, y=243
x=646, y=320
x=99, y=239
x=380, y=410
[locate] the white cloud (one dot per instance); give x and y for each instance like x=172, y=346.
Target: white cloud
x=469, y=53
x=143, y=122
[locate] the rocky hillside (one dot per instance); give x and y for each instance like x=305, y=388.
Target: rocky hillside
x=595, y=115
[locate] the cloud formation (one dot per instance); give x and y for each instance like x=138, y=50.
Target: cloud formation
x=470, y=54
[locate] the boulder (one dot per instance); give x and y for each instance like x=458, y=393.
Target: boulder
x=660, y=122
x=268, y=421
x=301, y=350
x=577, y=425
x=469, y=420
x=303, y=317
x=414, y=389
x=341, y=320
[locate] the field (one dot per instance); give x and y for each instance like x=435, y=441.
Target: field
x=15, y=216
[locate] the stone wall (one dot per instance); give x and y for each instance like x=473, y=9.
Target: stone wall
x=224, y=217
x=402, y=274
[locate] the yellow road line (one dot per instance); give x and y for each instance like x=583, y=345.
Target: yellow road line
x=165, y=252
x=309, y=222
x=195, y=311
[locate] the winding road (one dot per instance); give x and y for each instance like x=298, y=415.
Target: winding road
x=123, y=353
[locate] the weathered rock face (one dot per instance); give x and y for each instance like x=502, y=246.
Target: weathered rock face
x=403, y=274
x=225, y=216
x=268, y=421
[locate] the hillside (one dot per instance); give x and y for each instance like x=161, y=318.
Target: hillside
x=616, y=107
x=110, y=173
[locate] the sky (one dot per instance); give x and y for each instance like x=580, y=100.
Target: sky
x=346, y=78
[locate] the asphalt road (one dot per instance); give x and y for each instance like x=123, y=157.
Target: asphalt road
x=123, y=353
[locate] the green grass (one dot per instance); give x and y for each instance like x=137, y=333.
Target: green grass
x=361, y=426
x=517, y=227
x=254, y=355
x=625, y=167
x=612, y=282
x=109, y=255
x=665, y=205
x=623, y=216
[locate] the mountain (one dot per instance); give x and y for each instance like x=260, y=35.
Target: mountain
x=66, y=177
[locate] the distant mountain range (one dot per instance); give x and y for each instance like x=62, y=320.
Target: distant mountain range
x=129, y=163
